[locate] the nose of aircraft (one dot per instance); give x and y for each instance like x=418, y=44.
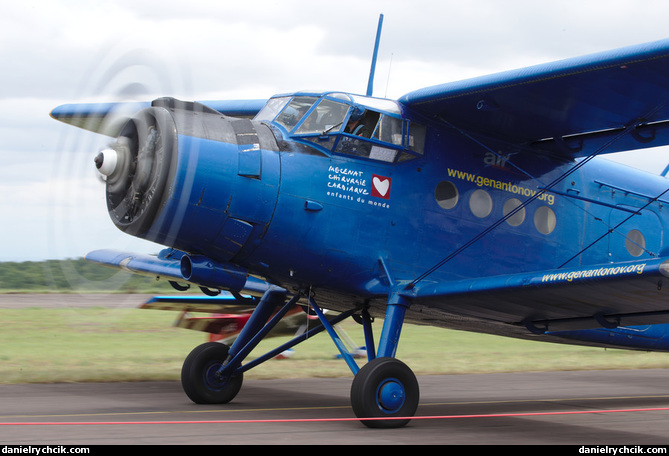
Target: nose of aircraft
x=137, y=168
x=188, y=177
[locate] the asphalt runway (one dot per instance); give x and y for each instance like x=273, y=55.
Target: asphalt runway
x=559, y=408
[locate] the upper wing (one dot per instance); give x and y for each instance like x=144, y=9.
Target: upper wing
x=571, y=107
x=109, y=118
x=607, y=295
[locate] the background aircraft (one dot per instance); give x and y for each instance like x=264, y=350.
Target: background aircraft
x=477, y=205
x=227, y=315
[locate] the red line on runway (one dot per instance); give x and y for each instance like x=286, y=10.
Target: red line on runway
x=315, y=420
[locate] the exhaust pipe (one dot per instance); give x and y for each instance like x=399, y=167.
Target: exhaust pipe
x=209, y=273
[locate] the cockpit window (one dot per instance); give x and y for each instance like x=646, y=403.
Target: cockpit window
x=328, y=117
x=365, y=123
x=362, y=122
x=347, y=124
x=272, y=108
x=389, y=129
x=294, y=111
x=416, y=138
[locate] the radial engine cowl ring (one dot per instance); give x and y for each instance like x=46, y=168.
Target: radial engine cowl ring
x=141, y=179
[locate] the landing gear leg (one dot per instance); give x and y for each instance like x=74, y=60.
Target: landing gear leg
x=385, y=387
x=210, y=373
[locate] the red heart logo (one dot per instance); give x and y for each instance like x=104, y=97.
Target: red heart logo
x=380, y=186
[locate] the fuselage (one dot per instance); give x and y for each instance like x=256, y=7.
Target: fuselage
x=345, y=222
x=298, y=197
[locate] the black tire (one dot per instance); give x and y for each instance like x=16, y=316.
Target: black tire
x=198, y=379
x=385, y=387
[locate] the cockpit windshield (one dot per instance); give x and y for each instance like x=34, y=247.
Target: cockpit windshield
x=346, y=124
x=326, y=118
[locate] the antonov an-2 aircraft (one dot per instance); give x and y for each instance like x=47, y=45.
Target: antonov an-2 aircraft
x=479, y=205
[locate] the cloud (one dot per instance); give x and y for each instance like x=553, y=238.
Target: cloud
x=61, y=51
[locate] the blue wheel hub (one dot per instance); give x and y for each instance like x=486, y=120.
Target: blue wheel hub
x=212, y=379
x=390, y=396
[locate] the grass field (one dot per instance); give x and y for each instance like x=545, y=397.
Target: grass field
x=100, y=344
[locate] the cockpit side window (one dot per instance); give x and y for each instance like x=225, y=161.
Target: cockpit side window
x=294, y=111
x=362, y=122
x=389, y=130
x=416, y=138
x=388, y=134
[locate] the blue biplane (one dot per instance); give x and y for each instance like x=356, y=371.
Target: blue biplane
x=478, y=205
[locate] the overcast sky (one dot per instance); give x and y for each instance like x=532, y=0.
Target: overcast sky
x=57, y=51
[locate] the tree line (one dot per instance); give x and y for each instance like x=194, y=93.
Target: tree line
x=62, y=276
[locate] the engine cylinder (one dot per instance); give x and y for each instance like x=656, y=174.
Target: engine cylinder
x=138, y=184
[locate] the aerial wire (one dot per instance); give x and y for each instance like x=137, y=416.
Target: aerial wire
x=390, y=66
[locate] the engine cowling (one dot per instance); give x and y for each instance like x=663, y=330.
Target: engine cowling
x=186, y=176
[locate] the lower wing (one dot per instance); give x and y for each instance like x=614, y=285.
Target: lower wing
x=610, y=295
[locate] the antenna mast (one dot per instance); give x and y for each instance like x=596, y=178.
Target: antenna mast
x=370, y=84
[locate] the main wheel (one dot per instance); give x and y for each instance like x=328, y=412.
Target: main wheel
x=199, y=379
x=385, y=387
